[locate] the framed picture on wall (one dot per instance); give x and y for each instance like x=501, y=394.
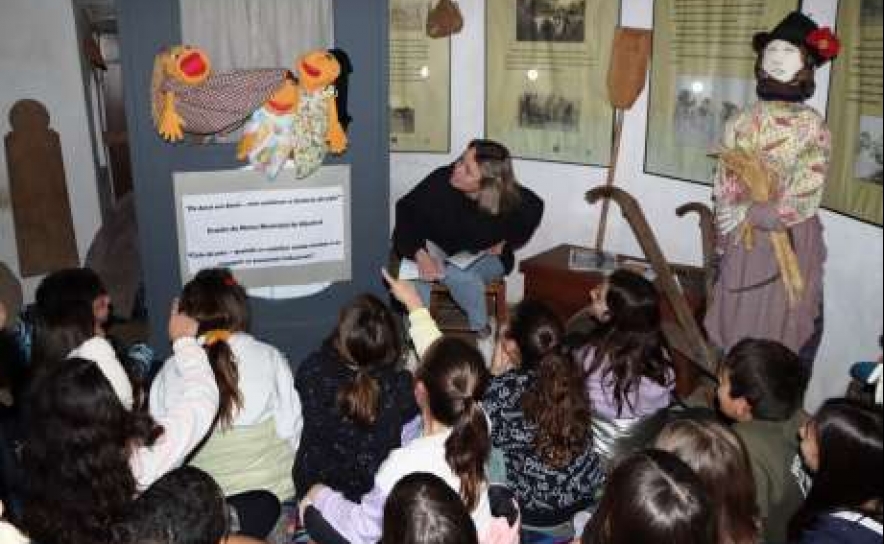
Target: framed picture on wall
x=702, y=73
x=856, y=174
x=546, y=69
x=420, y=81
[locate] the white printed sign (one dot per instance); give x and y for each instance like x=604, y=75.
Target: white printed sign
x=260, y=229
x=269, y=234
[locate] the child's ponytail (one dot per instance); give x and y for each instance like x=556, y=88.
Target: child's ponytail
x=467, y=449
x=365, y=339
x=226, y=376
x=358, y=400
x=454, y=376
x=220, y=305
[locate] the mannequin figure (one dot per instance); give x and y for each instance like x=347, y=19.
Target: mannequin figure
x=767, y=193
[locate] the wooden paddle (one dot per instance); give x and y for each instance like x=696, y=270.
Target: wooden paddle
x=627, y=70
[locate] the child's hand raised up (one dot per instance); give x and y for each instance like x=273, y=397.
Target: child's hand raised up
x=181, y=325
x=403, y=291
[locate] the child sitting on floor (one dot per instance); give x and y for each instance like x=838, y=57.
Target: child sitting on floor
x=254, y=440
x=719, y=458
x=540, y=420
x=761, y=388
x=423, y=509
x=842, y=446
x=355, y=399
x=629, y=373
x=450, y=439
x=185, y=506
x=653, y=497
x=86, y=456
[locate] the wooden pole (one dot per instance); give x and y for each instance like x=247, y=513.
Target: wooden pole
x=612, y=171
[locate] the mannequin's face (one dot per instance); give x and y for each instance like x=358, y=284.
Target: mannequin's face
x=782, y=60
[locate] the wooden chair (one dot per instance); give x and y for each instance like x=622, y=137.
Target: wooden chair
x=495, y=297
x=440, y=300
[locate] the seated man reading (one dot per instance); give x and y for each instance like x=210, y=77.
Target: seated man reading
x=474, y=205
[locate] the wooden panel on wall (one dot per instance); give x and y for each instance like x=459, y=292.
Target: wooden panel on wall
x=44, y=228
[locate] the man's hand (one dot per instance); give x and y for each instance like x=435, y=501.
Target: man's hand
x=496, y=249
x=403, y=291
x=430, y=269
x=181, y=325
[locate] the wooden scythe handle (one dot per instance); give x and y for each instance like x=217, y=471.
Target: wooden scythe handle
x=700, y=352
x=707, y=236
x=609, y=180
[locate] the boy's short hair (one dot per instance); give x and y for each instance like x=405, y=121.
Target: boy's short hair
x=769, y=376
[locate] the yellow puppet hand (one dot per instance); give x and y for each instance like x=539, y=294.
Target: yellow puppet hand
x=245, y=145
x=336, y=138
x=171, y=126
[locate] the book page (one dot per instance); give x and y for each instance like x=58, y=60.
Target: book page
x=464, y=259
x=408, y=270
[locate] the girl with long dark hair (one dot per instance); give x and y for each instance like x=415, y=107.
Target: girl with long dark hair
x=629, y=372
x=719, y=458
x=540, y=420
x=423, y=509
x=86, y=456
x=258, y=427
x=356, y=399
x=653, y=497
x=450, y=439
x=842, y=446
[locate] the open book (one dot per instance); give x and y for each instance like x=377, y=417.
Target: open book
x=408, y=269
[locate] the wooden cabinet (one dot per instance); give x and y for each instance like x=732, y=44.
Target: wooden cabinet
x=549, y=280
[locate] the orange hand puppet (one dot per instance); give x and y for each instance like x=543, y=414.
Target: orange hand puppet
x=304, y=119
x=187, y=97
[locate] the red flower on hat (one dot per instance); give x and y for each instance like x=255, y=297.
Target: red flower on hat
x=824, y=42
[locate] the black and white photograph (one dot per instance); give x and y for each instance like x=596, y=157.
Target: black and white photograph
x=550, y=20
x=704, y=105
x=867, y=164
x=871, y=11
x=549, y=112
x=406, y=17
x=402, y=120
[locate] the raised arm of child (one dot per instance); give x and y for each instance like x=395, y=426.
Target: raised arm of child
x=422, y=327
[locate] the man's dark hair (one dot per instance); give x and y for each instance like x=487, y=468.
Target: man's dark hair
x=769, y=376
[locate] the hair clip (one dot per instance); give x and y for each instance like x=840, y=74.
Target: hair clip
x=215, y=335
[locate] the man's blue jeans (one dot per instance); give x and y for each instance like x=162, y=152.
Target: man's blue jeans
x=467, y=288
